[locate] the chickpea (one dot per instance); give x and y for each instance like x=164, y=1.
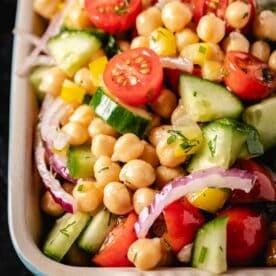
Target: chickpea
x=78, y=18
x=139, y=41
x=83, y=79
x=77, y=133
x=176, y=15
x=272, y=61
x=123, y=45
x=211, y=28
x=106, y=171
x=68, y=187
x=264, y=25
x=143, y=197
x=149, y=155
x=98, y=126
x=148, y=20
x=166, y=154
x=271, y=253
x=52, y=81
x=145, y=253
x=261, y=50
x=137, y=174
x=117, y=198
x=237, y=14
x=178, y=114
x=46, y=8
x=82, y=115
x=236, y=42
x=185, y=37
x=157, y=133
x=49, y=206
x=165, y=103
x=87, y=195
x=155, y=121
x=164, y=175
x=103, y=145
x=127, y=147
x=212, y=70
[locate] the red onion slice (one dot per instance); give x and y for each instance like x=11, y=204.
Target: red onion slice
x=213, y=177
x=52, y=30
x=67, y=202
x=179, y=63
x=58, y=163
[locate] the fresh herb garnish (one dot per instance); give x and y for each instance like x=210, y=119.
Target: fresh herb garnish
x=80, y=188
x=103, y=169
x=221, y=249
x=224, y=72
x=185, y=143
x=203, y=253
x=267, y=76
x=64, y=230
x=134, y=258
x=194, y=93
x=122, y=8
x=212, y=144
x=202, y=49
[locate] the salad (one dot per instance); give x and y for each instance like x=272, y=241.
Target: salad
x=156, y=132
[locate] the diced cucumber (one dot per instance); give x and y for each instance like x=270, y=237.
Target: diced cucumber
x=206, y=101
x=64, y=233
x=262, y=116
x=35, y=79
x=121, y=117
x=81, y=162
x=72, y=49
x=209, y=251
x=224, y=141
x=96, y=231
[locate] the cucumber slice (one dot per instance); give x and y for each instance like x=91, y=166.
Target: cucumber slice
x=262, y=116
x=81, y=162
x=123, y=118
x=72, y=49
x=225, y=140
x=64, y=233
x=96, y=231
x=209, y=251
x=206, y=101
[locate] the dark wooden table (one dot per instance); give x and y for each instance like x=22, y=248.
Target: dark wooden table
x=9, y=262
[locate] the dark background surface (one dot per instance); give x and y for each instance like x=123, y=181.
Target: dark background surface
x=9, y=262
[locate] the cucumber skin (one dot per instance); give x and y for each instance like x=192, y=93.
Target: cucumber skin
x=121, y=119
x=57, y=243
x=208, y=100
x=96, y=231
x=213, y=235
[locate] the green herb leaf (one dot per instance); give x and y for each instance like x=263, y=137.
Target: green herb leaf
x=212, y=144
x=80, y=188
x=103, y=169
x=224, y=72
x=202, y=49
x=135, y=257
x=194, y=93
x=203, y=253
x=171, y=139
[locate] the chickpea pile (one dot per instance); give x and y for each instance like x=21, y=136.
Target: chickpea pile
x=129, y=170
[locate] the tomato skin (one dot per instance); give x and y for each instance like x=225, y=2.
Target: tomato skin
x=125, y=67
x=111, y=21
x=114, y=254
x=182, y=220
x=244, y=76
x=246, y=234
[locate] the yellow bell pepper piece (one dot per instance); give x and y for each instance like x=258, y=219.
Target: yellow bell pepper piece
x=97, y=68
x=209, y=199
x=72, y=93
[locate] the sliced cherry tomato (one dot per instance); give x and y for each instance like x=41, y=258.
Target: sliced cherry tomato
x=182, y=220
x=134, y=76
x=248, y=77
x=113, y=16
x=114, y=252
x=264, y=188
x=246, y=234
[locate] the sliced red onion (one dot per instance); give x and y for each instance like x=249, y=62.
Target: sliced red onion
x=50, y=122
x=53, y=29
x=47, y=102
x=213, y=177
x=67, y=202
x=179, y=63
x=59, y=164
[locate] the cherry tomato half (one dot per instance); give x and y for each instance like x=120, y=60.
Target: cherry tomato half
x=114, y=252
x=248, y=77
x=264, y=188
x=113, y=16
x=182, y=220
x=246, y=234
x=134, y=76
